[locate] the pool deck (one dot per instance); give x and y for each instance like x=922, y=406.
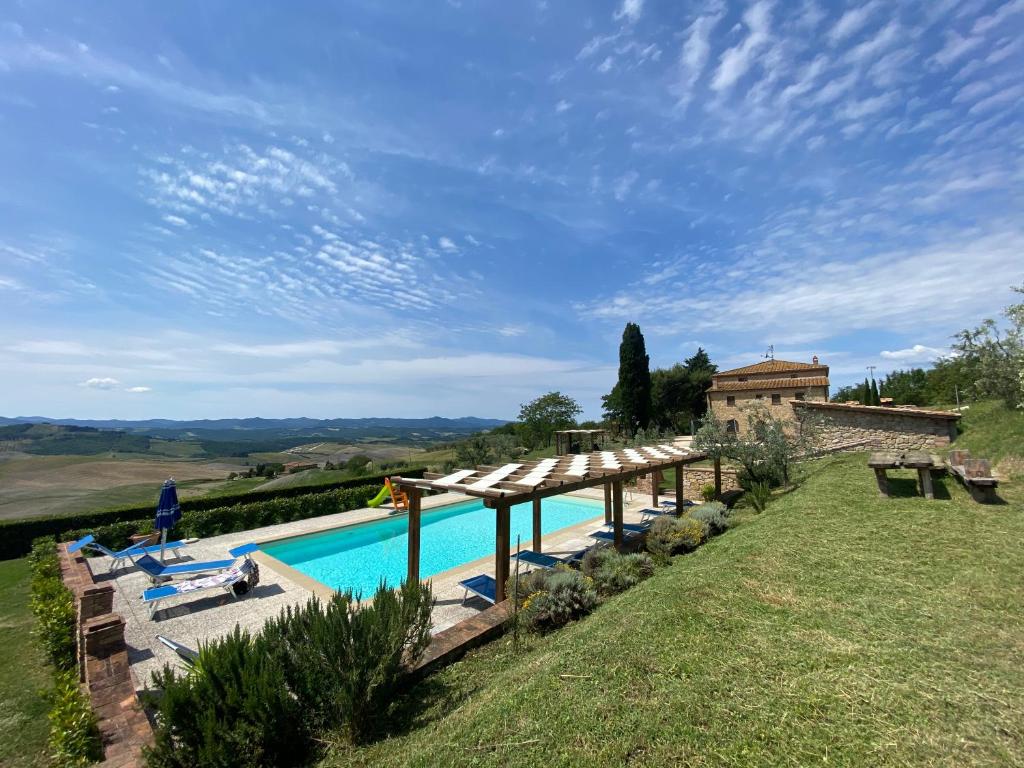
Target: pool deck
x=192, y=620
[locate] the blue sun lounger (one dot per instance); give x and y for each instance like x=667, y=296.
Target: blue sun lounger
x=650, y=513
x=128, y=553
x=225, y=579
x=629, y=530
x=483, y=586
x=541, y=560
x=157, y=571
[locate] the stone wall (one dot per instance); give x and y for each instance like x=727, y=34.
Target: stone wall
x=694, y=479
x=103, y=666
x=898, y=429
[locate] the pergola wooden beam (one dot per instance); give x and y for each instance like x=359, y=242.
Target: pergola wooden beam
x=499, y=489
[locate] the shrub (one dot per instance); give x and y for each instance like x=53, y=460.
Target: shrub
x=707, y=491
x=343, y=660
x=52, y=604
x=714, y=514
x=74, y=734
x=565, y=595
x=233, y=708
x=613, y=572
x=265, y=700
x=669, y=536
x=759, y=495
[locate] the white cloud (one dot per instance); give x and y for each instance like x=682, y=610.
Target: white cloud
x=177, y=221
x=955, y=47
x=918, y=353
x=101, y=383
x=630, y=10
x=447, y=244
x=138, y=390
x=624, y=184
x=606, y=65
x=563, y=106
x=693, y=57
x=851, y=22
x=737, y=60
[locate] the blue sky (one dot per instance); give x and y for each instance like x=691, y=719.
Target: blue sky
x=413, y=209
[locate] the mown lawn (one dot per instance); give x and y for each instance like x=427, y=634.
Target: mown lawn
x=24, y=678
x=837, y=627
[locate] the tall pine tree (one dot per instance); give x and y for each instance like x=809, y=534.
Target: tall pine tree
x=865, y=393
x=876, y=399
x=632, y=394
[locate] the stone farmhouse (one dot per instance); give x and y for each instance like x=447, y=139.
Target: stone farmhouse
x=771, y=384
x=795, y=391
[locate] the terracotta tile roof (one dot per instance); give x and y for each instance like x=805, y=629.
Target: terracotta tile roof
x=733, y=386
x=773, y=366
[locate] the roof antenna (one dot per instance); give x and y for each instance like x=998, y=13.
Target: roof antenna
x=770, y=354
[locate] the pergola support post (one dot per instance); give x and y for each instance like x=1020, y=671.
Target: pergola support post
x=655, y=481
x=414, y=534
x=502, y=549
x=617, y=510
x=607, y=503
x=680, y=488
x=536, y=526
x=718, y=478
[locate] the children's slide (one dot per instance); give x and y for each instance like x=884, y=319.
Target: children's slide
x=377, y=500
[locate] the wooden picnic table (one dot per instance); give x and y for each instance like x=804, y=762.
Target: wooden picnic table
x=923, y=462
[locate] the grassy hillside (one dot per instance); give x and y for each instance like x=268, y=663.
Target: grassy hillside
x=837, y=627
x=23, y=676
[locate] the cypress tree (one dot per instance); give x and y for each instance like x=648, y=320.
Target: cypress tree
x=876, y=398
x=865, y=394
x=633, y=391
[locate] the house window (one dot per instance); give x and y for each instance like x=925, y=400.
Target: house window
x=732, y=426
x=759, y=397
x=730, y=400
x=742, y=378
x=799, y=395
x=792, y=375
x=776, y=399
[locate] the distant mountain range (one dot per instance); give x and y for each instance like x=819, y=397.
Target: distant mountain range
x=433, y=423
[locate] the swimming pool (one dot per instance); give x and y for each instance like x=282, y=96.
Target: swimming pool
x=357, y=557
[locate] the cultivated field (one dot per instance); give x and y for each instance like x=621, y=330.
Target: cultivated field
x=44, y=485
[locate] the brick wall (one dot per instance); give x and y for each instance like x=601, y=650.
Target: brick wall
x=103, y=666
x=886, y=428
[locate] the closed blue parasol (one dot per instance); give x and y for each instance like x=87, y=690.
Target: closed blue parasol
x=168, y=512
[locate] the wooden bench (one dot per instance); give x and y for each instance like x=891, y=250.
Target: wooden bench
x=923, y=462
x=975, y=474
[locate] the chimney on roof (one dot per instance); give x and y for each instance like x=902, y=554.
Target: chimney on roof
x=814, y=360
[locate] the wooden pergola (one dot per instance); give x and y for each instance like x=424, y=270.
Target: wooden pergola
x=516, y=483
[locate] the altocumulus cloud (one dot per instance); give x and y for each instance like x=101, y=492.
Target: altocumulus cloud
x=138, y=389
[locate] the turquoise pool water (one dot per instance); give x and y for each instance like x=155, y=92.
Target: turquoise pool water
x=358, y=557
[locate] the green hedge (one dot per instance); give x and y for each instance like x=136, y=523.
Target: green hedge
x=203, y=523
x=16, y=536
